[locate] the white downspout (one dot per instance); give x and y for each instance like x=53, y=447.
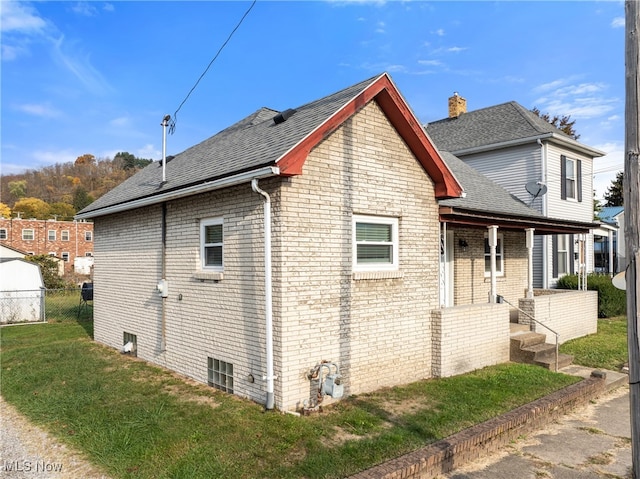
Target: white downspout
x=268, y=300
x=545, y=239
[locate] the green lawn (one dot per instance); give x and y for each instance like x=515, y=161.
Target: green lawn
x=607, y=349
x=139, y=421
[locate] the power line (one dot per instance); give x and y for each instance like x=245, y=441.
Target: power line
x=172, y=122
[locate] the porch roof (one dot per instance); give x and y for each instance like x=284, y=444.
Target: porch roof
x=487, y=203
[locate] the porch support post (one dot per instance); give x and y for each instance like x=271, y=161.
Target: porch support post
x=612, y=266
x=529, y=242
x=493, y=242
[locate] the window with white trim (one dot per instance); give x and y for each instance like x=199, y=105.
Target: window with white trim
x=28, y=234
x=88, y=235
x=65, y=256
x=3, y=233
x=64, y=235
x=499, y=256
x=563, y=255
x=51, y=235
x=375, y=241
x=570, y=177
x=211, y=244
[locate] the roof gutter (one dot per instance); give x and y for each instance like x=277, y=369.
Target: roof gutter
x=522, y=141
x=225, y=182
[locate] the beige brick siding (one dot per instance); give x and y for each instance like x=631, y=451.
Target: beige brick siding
x=377, y=330
x=469, y=337
x=470, y=284
x=572, y=314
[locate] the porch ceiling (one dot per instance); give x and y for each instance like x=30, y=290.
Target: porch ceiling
x=542, y=225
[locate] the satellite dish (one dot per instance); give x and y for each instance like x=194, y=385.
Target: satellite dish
x=620, y=280
x=535, y=189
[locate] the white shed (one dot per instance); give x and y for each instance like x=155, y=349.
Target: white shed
x=21, y=291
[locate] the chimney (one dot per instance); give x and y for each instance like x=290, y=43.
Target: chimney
x=457, y=105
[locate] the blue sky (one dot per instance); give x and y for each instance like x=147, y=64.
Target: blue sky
x=98, y=77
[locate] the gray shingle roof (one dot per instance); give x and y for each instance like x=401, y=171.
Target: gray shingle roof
x=482, y=194
x=251, y=143
x=495, y=124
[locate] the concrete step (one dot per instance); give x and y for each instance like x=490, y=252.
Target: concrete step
x=564, y=360
x=525, y=339
x=515, y=328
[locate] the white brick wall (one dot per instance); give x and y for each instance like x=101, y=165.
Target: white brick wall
x=469, y=337
x=378, y=331
x=572, y=314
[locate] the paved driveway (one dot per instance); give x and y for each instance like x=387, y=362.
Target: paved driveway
x=593, y=442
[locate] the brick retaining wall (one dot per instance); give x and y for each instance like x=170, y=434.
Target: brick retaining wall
x=477, y=441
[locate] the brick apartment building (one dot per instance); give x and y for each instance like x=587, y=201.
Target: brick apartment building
x=63, y=239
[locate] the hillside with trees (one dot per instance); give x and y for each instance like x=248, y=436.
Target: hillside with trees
x=61, y=190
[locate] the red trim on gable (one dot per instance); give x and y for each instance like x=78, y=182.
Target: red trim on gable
x=388, y=97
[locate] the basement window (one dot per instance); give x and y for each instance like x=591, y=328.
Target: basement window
x=220, y=375
x=130, y=344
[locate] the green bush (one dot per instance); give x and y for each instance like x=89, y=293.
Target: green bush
x=611, y=300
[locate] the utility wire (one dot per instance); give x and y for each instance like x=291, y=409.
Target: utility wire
x=172, y=122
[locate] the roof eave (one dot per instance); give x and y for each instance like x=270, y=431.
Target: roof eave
x=552, y=137
x=541, y=225
x=225, y=182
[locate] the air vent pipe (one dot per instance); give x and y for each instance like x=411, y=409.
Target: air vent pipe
x=165, y=123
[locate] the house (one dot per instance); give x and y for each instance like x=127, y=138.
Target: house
x=301, y=255
x=8, y=252
x=536, y=162
x=609, y=241
x=66, y=240
x=21, y=290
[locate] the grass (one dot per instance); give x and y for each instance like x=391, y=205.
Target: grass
x=607, y=349
x=139, y=421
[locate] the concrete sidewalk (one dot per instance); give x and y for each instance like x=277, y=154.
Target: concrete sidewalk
x=592, y=442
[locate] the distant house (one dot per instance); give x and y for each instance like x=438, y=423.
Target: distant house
x=65, y=240
x=515, y=148
x=304, y=254
x=21, y=291
x=609, y=243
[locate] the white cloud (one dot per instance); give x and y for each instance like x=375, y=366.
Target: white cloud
x=606, y=168
x=149, y=152
x=20, y=17
x=120, y=122
x=430, y=63
x=108, y=7
x=41, y=110
x=80, y=66
x=581, y=101
x=84, y=9
x=380, y=27
x=44, y=157
x=617, y=22
x=439, y=32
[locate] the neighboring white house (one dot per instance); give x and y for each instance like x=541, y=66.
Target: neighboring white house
x=21, y=291
x=609, y=246
x=514, y=147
